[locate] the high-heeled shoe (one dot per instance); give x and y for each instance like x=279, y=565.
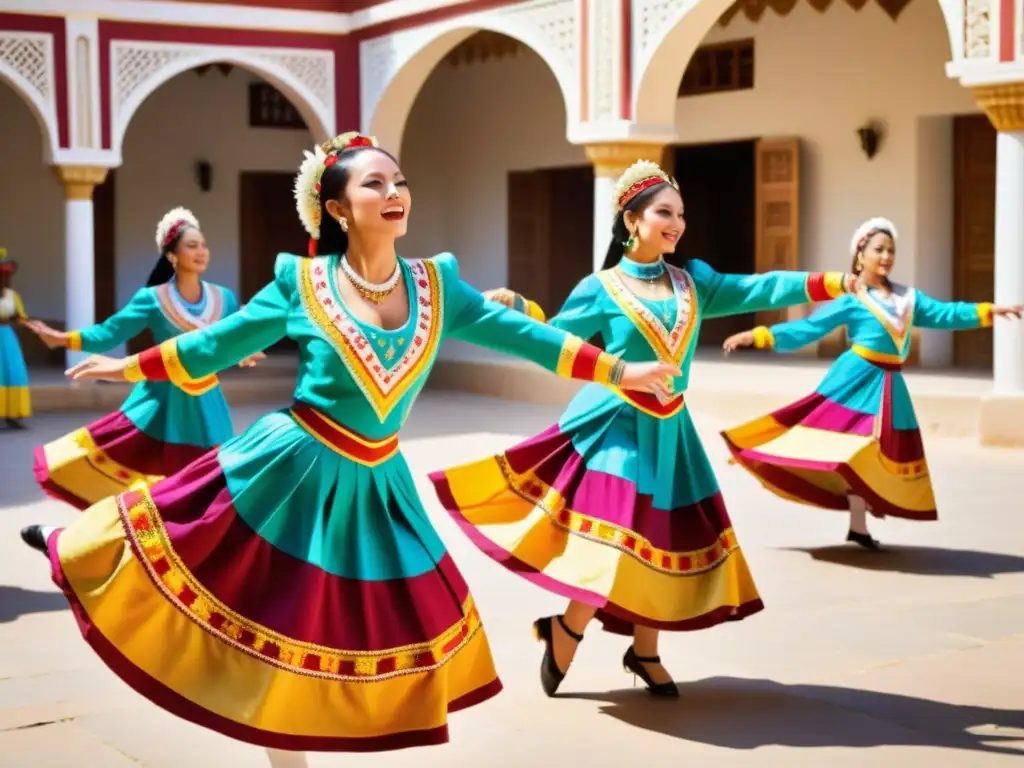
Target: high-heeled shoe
x=550, y=675
x=33, y=536
x=865, y=540
x=635, y=664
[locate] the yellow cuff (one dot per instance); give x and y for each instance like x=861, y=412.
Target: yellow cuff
x=835, y=283
x=985, y=314
x=133, y=371
x=603, y=367
x=763, y=338
x=533, y=310
x=75, y=341
x=180, y=377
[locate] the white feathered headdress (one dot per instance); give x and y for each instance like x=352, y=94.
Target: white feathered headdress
x=869, y=228
x=307, y=182
x=171, y=224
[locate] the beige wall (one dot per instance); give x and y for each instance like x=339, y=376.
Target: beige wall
x=187, y=119
x=31, y=209
x=818, y=77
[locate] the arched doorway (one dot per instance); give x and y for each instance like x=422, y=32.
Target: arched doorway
x=494, y=179
x=225, y=143
x=793, y=90
x=32, y=213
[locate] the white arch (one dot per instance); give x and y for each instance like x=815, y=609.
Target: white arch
x=320, y=123
x=44, y=113
x=390, y=87
x=659, y=64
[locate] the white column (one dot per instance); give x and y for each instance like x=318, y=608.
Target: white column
x=610, y=160
x=1008, y=337
x=604, y=187
x=79, y=273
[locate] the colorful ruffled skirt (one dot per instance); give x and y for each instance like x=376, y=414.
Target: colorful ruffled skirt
x=15, y=402
x=615, y=506
x=286, y=589
x=857, y=434
x=159, y=430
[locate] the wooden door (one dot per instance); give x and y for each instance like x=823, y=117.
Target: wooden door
x=104, y=248
x=571, y=239
x=529, y=207
x=974, y=215
x=267, y=227
x=777, y=211
x=550, y=232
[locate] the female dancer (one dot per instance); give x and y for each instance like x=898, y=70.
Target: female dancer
x=854, y=443
x=616, y=507
x=15, y=401
x=311, y=602
x=160, y=428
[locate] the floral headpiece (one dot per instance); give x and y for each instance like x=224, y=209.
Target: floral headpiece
x=869, y=229
x=307, y=183
x=171, y=225
x=7, y=266
x=641, y=175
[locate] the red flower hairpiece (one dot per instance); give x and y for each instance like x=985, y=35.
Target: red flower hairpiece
x=635, y=189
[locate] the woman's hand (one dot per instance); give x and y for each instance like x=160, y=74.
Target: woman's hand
x=650, y=377
x=252, y=360
x=501, y=296
x=98, y=367
x=50, y=336
x=737, y=340
x=853, y=282
x=1012, y=312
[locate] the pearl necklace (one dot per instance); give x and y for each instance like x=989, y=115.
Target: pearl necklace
x=372, y=292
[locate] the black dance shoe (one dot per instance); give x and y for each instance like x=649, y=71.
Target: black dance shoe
x=865, y=540
x=635, y=664
x=33, y=536
x=550, y=675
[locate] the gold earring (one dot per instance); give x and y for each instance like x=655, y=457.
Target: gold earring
x=343, y=222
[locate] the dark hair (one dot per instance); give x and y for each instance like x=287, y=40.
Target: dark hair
x=332, y=186
x=163, y=271
x=866, y=239
x=617, y=247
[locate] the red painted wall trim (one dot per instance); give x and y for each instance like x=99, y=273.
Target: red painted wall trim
x=429, y=17
x=1007, y=29
x=344, y=47
x=54, y=25
x=626, y=65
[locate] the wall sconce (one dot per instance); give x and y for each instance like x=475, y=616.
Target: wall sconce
x=204, y=175
x=870, y=138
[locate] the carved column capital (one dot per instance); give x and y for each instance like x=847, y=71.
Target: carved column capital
x=80, y=180
x=612, y=158
x=1003, y=104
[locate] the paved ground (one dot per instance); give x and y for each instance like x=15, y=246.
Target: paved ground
x=915, y=657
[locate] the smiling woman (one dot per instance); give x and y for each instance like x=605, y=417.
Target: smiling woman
x=160, y=428
x=312, y=603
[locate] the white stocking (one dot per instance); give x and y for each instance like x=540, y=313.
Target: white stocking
x=858, y=515
x=280, y=758
x=46, y=531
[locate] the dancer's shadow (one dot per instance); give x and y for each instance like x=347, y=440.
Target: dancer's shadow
x=924, y=561
x=15, y=602
x=747, y=714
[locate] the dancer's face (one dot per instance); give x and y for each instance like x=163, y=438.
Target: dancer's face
x=377, y=199
x=879, y=255
x=191, y=254
x=660, y=224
